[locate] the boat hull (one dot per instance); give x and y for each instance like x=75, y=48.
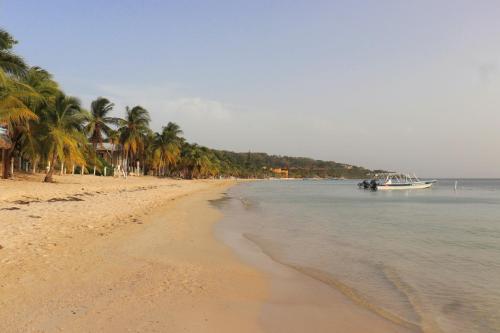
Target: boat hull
x=413, y=186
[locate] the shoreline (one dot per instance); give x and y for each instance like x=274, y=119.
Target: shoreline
x=384, y=322
x=299, y=301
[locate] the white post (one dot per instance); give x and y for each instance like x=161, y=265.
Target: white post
x=73, y=169
x=82, y=170
x=62, y=168
x=12, y=166
x=94, y=170
x=104, y=171
x=138, y=168
x=48, y=166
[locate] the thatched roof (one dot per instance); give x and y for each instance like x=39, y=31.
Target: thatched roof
x=5, y=142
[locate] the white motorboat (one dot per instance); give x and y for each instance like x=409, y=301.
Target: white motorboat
x=396, y=181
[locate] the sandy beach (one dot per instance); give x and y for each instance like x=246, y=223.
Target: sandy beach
x=93, y=254
x=126, y=256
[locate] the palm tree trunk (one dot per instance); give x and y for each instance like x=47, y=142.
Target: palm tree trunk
x=5, y=166
x=35, y=165
x=48, y=177
x=6, y=156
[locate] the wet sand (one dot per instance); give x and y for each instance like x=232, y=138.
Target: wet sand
x=298, y=302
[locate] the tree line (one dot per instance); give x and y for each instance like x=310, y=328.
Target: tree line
x=49, y=130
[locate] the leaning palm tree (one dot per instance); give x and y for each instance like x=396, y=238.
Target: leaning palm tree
x=14, y=95
x=99, y=121
x=133, y=130
x=62, y=135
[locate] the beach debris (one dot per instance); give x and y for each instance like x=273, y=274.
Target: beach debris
x=35, y=216
x=11, y=208
x=65, y=199
x=24, y=202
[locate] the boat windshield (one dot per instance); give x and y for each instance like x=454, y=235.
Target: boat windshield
x=398, y=179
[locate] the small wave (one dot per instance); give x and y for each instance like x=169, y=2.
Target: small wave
x=427, y=323
x=346, y=290
x=247, y=204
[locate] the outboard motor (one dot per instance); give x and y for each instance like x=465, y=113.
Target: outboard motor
x=364, y=185
x=373, y=185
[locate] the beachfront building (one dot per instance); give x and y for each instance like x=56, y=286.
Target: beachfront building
x=280, y=172
x=109, y=152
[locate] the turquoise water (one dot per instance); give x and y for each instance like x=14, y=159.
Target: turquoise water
x=424, y=258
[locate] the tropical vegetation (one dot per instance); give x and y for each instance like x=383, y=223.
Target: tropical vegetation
x=44, y=129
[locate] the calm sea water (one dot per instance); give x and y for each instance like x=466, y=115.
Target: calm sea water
x=426, y=258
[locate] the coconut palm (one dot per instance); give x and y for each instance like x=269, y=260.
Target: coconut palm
x=147, y=156
x=196, y=161
x=99, y=120
x=14, y=95
x=167, y=147
x=114, y=140
x=42, y=83
x=10, y=63
x=62, y=132
x=133, y=130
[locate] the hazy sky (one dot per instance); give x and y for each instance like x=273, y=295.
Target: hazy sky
x=400, y=85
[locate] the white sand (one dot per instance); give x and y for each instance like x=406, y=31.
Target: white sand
x=129, y=258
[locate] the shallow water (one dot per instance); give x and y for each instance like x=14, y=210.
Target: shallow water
x=429, y=258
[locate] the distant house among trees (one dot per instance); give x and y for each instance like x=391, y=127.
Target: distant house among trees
x=280, y=172
x=109, y=152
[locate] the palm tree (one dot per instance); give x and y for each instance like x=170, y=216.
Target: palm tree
x=133, y=130
x=14, y=94
x=10, y=64
x=114, y=140
x=99, y=122
x=196, y=161
x=62, y=132
x=147, y=156
x=167, y=147
x=42, y=83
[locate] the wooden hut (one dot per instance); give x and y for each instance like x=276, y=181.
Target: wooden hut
x=109, y=152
